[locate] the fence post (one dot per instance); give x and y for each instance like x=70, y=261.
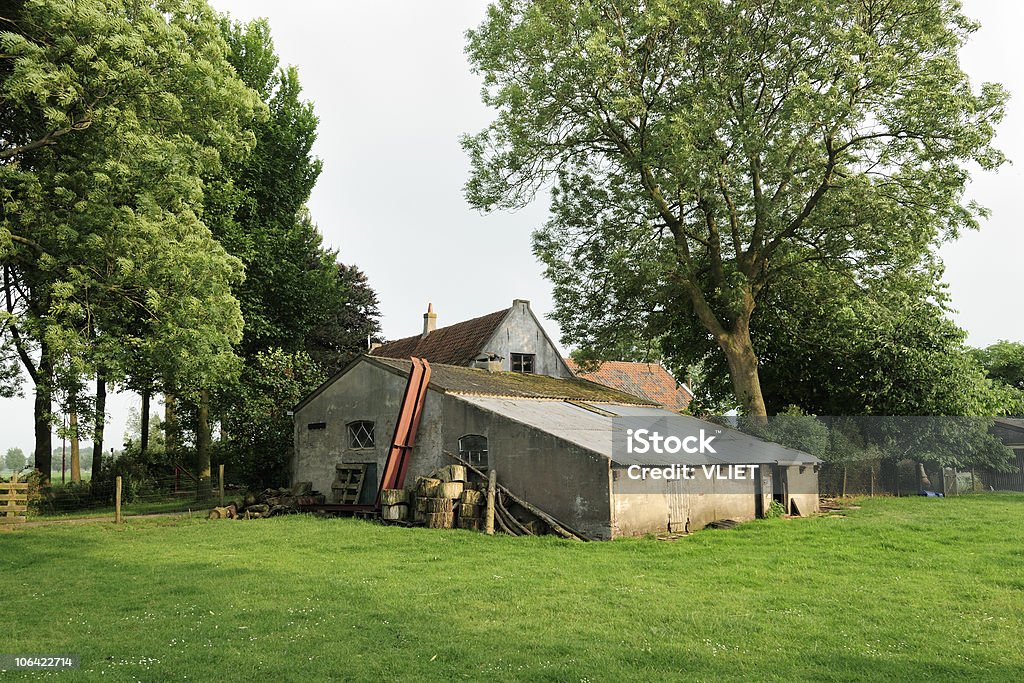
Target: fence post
x=117, y=502
x=492, y=484
x=220, y=477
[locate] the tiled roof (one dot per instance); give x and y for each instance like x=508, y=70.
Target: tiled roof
x=474, y=381
x=457, y=344
x=648, y=380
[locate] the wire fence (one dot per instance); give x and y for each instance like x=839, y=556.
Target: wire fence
x=170, y=489
x=908, y=478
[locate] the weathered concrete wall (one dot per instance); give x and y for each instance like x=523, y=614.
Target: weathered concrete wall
x=365, y=392
x=521, y=333
x=656, y=506
x=803, y=489
x=563, y=479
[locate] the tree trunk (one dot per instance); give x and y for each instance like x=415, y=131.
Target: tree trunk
x=100, y=422
x=203, y=439
x=923, y=482
x=144, y=435
x=171, y=425
x=743, y=371
x=76, y=450
x=41, y=413
x=844, y=481
x=44, y=436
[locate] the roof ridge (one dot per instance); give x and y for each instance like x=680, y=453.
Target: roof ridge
x=447, y=327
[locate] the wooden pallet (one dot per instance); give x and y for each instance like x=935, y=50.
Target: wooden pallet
x=348, y=483
x=13, y=500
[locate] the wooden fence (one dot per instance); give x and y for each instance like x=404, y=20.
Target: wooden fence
x=13, y=501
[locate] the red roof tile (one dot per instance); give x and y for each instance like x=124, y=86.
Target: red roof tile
x=457, y=344
x=647, y=380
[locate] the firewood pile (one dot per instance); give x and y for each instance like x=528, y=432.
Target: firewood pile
x=270, y=503
x=443, y=500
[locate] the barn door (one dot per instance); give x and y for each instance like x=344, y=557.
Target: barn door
x=780, y=484
x=678, y=506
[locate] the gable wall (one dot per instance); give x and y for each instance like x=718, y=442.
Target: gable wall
x=520, y=333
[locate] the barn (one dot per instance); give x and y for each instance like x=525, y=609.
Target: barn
x=553, y=439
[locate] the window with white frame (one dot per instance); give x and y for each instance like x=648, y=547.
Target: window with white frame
x=473, y=449
x=360, y=434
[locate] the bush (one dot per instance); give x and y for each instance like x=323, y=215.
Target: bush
x=138, y=477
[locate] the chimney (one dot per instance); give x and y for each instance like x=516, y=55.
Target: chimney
x=429, y=320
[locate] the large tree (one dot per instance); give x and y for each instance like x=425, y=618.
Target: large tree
x=14, y=459
x=113, y=111
x=296, y=299
x=698, y=151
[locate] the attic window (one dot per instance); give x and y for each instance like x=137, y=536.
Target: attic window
x=522, y=362
x=473, y=448
x=360, y=434
x=317, y=425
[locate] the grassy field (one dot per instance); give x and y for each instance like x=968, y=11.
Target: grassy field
x=900, y=589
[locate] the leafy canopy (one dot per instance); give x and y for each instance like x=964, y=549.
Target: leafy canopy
x=700, y=151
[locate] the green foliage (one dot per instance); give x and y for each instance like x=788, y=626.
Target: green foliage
x=14, y=459
x=775, y=510
x=259, y=434
x=114, y=112
x=133, y=433
x=883, y=345
x=1004, y=364
x=136, y=478
x=794, y=429
x=303, y=310
x=701, y=153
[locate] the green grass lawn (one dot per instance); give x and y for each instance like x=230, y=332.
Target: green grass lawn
x=901, y=589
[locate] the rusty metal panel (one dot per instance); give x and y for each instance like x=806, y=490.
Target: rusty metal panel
x=405, y=427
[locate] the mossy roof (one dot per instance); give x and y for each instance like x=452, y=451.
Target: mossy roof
x=455, y=379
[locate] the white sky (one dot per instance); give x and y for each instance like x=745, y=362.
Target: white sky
x=393, y=90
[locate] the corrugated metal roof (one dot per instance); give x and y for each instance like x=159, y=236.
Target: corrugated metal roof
x=595, y=431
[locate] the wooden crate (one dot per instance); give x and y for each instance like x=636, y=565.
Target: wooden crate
x=348, y=483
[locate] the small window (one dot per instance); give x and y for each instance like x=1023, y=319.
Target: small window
x=473, y=449
x=522, y=362
x=360, y=434
x=316, y=425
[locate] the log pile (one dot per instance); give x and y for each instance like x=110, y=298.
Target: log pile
x=270, y=503
x=443, y=500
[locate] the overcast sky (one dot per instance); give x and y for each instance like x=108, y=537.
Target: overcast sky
x=390, y=82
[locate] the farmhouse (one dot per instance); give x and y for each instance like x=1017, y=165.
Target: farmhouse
x=500, y=397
